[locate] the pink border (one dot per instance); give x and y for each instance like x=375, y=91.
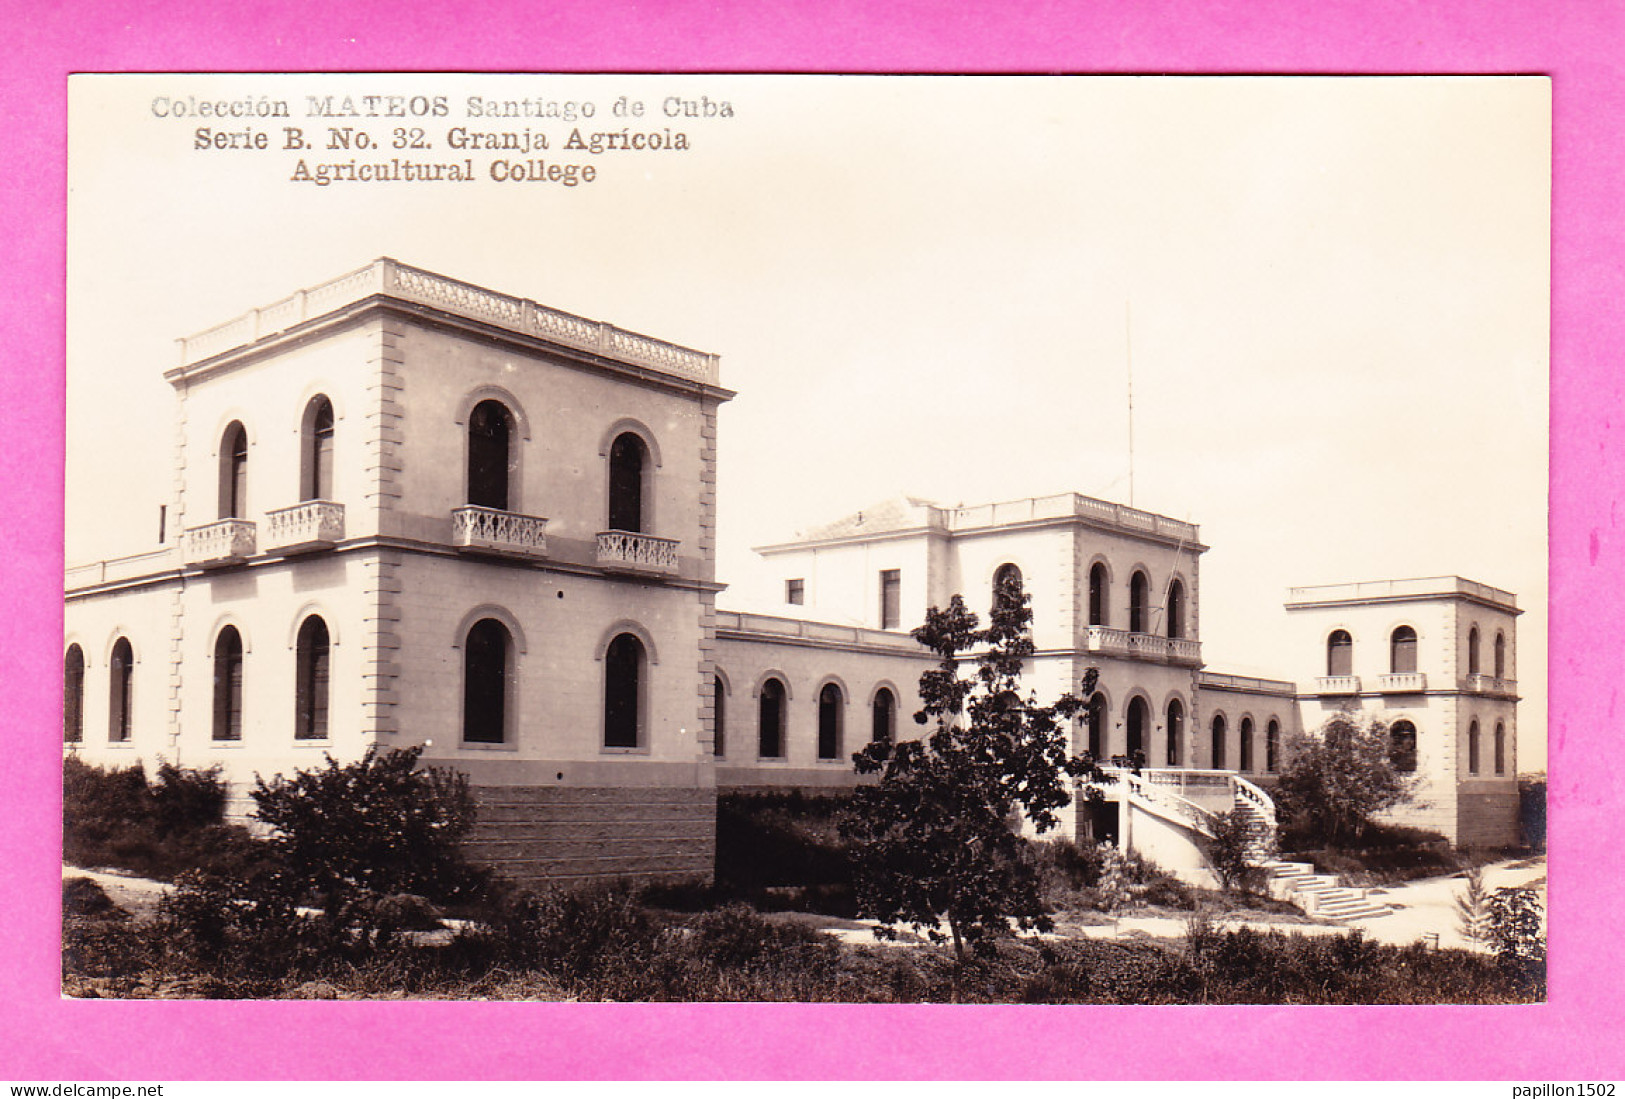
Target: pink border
x=1574, y=1037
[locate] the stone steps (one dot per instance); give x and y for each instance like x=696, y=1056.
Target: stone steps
x=1321, y=895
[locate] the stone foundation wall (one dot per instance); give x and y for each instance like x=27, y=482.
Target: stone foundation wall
x=539, y=836
x=1487, y=815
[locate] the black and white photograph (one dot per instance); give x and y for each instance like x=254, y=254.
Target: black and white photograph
x=839, y=539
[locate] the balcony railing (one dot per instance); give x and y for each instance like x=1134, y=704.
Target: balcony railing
x=497, y=531
x=1489, y=685
x=312, y=525
x=1337, y=685
x=228, y=542
x=1403, y=683
x=621, y=549
x=1142, y=646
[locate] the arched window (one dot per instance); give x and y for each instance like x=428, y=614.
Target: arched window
x=770, y=721
x=1402, y=651
x=1139, y=724
x=1402, y=746
x=73, y=695
x=120, y=673
x=1098, y=606
x=1139, y=603
x=1472, y=748
x=485, y=682
x=1340, y=653
x=1097, y=727
x=490, y=430
x=830, y=707
x=1272, y=746
x=1176, y=609
x=1176, y=733
x=626, y=461
x=228, y=685
x=1217, y=746
x=1500, y=748
x=311, y=658
x=1472, y=651
x=885, y=717
x=1246, y=735
x=623, y=692
x=1500, y=655
x=719, y=714
x=1007, y=584
x=234, y=472
x=317, y=456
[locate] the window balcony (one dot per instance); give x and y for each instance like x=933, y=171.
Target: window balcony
x=228, y=542
x=1490, y=685
x=1107, y=641
x=305, y=528
x=491, y=530
x=1142, y=646
x=1337, y=685
x=621, y=549
x=1399, y=683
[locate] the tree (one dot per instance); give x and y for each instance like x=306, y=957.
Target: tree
x=1338, y=778
x=353, y=833
x=1233, y=849
x=936, y=839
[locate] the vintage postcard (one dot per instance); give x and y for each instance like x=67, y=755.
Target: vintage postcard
x=516, y=525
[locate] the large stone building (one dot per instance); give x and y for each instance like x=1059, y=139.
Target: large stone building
x=411, y=511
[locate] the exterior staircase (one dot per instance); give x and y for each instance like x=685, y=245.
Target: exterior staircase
x=1321, y=895
x=1193, y=798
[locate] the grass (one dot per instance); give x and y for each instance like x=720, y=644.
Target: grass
x=734, y=953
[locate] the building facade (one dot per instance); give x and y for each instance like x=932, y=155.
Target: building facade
x=409, y=511
x=1436, y=659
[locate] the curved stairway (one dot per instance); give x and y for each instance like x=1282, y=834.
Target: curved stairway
x=1194, y=798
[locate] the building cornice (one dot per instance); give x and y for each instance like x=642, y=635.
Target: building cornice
x=425, y=296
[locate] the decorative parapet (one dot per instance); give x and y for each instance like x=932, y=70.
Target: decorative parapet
x=1489, y=685
x=481, y=528
x=1337, y=685
x=1069, y=505
x=391, y=279
x=1402, y=683
x=622, y=549
x=1224, y=681
x=1142, y=646
x=1420, y=587
x=312, y=525
x=228, y=542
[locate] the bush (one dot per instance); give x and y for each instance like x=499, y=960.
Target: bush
x=351, y=834
x=1532, y=810
x=115, y=818
x=572, y=935
x=83, y=897
x=1069, y=865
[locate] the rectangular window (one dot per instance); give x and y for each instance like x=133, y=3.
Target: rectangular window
x=891, y=599
x=795, y=591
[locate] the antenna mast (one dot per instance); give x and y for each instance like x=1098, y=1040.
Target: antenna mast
x=1128, y=343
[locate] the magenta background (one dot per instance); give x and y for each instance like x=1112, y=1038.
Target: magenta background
x=1577, y=1035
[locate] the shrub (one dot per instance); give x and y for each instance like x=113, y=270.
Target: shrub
x=1067, y=864
x=1230, y=852
x=83, y=897
x=571, y=934
x=350, y=834
x=116, y=818
x=185, y=800
x=1337, y=778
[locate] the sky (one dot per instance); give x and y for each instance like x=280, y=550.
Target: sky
x=1328, y=296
